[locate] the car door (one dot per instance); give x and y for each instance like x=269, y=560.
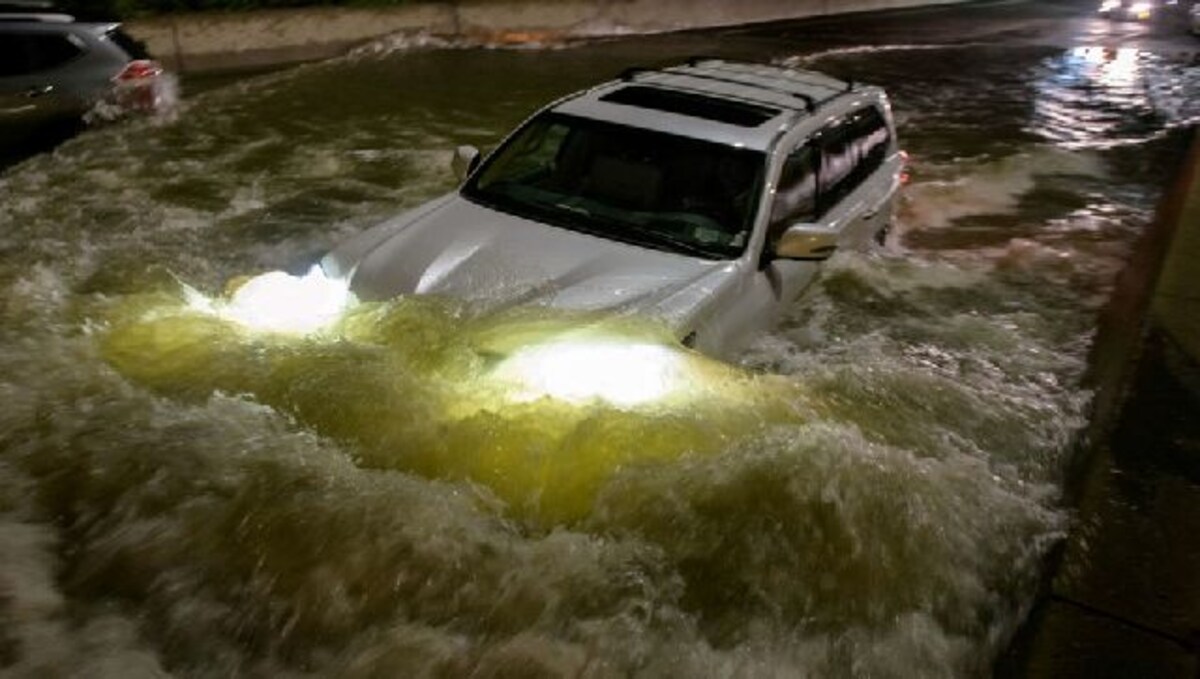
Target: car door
x=31, y=96
x=766, y=285
x=839, y=180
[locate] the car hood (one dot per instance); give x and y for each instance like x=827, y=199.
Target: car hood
x=455, y=247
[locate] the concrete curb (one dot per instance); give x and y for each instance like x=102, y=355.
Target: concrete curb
x=221, y=41
x=1122, y=598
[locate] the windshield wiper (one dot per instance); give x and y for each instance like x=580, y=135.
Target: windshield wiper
x=671, y=243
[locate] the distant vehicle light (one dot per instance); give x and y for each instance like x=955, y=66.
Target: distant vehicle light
x=1110, y=5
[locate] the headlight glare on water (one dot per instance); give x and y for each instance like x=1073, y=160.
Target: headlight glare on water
x=280, y=302
x=623, y=374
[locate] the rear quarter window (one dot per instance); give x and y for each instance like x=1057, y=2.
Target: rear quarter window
x=136, y=49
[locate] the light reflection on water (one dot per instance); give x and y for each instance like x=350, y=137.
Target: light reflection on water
x=869, y=492
x=1096, y=96
x=475, y=417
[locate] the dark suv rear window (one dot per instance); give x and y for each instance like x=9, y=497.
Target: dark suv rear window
x=694, y=105
x=135, y=49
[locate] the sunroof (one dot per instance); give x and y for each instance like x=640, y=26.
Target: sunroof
x=694, y=105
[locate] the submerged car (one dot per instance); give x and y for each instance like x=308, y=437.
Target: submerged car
x=55, y=70
x=705, y=195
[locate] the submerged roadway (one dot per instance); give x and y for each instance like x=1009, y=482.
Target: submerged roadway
x=880, y=487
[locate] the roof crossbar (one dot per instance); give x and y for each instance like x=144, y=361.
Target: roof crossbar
x=809, y=103
x=35, y=17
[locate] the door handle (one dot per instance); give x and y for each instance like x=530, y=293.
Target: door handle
x=38, y=91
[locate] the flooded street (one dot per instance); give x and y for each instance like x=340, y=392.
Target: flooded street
x=868, y=490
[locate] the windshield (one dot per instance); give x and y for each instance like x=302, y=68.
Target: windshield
x=634, y=185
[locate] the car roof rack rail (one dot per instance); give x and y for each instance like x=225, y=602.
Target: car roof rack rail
x=9, y=17
x=28, y=6
x=810, y=103
x=633, y=72
x=697, y=60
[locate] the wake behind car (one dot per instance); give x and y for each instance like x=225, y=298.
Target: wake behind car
x=704, y=195
x=55, y=70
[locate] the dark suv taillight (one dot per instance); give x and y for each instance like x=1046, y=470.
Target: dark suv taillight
x=137, y=86
x=138, y=69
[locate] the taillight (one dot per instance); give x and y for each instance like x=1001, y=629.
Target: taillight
x=905, y=175
x=138, y=69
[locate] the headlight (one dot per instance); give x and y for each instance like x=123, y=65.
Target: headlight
x=279, y=302
x=624, y=374
x=1141, y=9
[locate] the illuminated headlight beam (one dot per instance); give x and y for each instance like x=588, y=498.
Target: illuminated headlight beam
x=280, y=302
x=578, y=372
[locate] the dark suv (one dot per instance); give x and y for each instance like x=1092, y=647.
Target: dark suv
x=56, y=71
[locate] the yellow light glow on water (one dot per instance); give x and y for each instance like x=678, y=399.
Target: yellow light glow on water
x=623, y=374
x=540, y=407
x=279, y=302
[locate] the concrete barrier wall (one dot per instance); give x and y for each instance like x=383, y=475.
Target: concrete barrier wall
x=216, y=41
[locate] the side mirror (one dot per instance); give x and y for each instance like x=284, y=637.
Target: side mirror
x=806, y=241
x=464, y=161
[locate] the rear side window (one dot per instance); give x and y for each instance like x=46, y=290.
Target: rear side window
x=14, y=59
x=872, y=137
x=22, y=53
x=824, y=170
x=839, y=157
x=50, y=51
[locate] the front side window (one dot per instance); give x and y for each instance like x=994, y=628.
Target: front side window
x=796, y=193
x=635, y=185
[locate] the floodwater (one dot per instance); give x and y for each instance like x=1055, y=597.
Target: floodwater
x=867, y=491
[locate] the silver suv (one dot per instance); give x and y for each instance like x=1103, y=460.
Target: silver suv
x=54, y=70
x=703, y=194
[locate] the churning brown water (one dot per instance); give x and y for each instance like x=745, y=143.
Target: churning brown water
x=868, y=492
